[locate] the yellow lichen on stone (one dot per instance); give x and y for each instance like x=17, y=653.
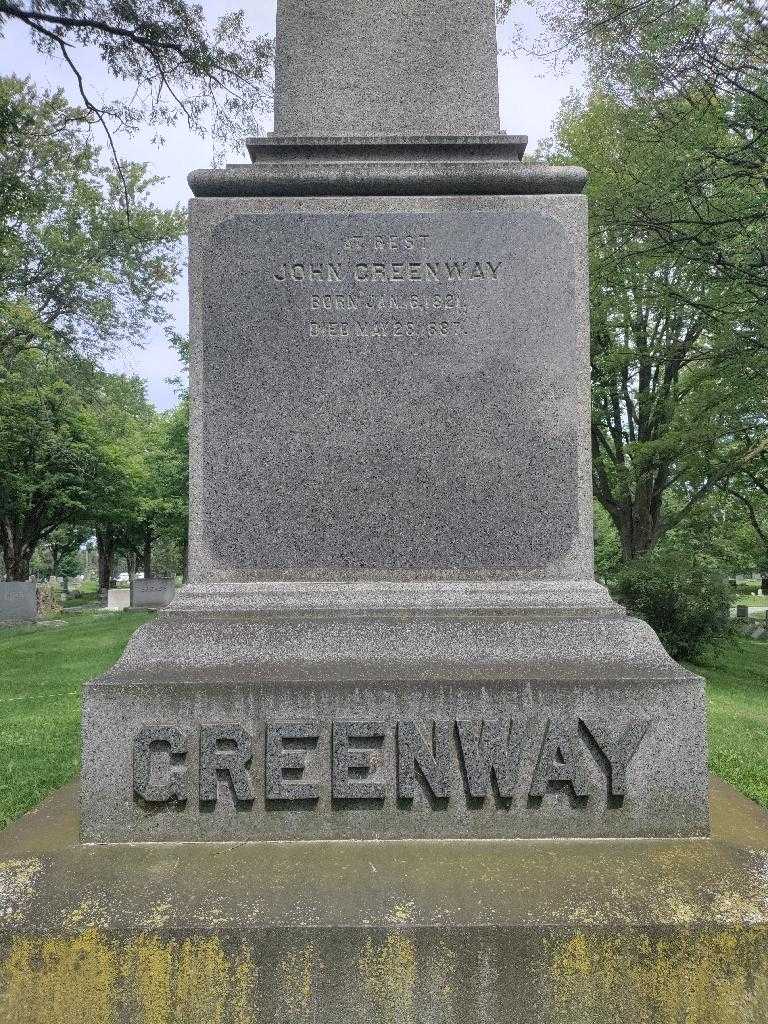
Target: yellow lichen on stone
x=82, y=978
x=388, y=973
x=202, y=982
x=244, y=984
x=401, y=913
x=710, y=977
x=17, y=886
x=150, y=966
x=87, y=914
x=297, y=972
x=63, y=980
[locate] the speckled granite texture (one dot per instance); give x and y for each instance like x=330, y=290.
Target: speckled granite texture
x=390, y=386
x=392, y=628
x=526, y=722
x=400, y=67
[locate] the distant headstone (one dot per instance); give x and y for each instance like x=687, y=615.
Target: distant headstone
x=118, y=598
x=18, y=602
x=156, y=592
x=742, y=611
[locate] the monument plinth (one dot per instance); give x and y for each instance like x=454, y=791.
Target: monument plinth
x=392, y=629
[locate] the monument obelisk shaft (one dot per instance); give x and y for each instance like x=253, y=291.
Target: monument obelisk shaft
x=366, y=68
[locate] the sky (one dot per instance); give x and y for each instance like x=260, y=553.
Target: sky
x=529, y=92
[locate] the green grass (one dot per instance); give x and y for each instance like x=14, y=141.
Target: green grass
x=751, y=600
x=42, y=671
x=737, y=688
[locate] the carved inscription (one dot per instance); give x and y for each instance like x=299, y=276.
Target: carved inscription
x=474, y=760
x=370, y=291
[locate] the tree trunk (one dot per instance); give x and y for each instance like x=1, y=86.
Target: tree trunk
x=639, y=530
x=147, y=556
x=105, y=541
x=16, y=555
x=130, y=561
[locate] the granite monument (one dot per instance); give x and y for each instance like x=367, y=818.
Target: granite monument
x=154, y=592
x=392, y=627
x=18, y=602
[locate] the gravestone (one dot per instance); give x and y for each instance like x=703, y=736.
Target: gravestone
x=18, y=602
x=392, y=629
x=155, y=592
x=742, y=611
x=118, y=599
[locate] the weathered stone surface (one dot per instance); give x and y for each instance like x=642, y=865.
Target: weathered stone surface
x=389, y=724
x=426, y=148
x=406, y=176
x=118, y=599
x=156, y=592
x=612, y=932
x=402, y=67
x=393, y=387
x=18, y=602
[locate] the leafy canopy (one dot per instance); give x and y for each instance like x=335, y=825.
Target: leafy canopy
x=174, y=65
x=76, y=275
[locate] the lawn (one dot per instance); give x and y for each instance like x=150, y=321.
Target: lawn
x=41, y=675
x=751, y=600
x=737, y=686
x=42, y=672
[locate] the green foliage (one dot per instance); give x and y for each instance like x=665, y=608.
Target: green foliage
x=75, y=274
x=686, y=602
x=674, y=135
x=59, y=555
x=175, y=65
x=607, y=546
x=82, y=451
x=695, y=70
x=680, y=371
x=47, y=460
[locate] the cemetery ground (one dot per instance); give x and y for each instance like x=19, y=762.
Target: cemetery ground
x=42, y=671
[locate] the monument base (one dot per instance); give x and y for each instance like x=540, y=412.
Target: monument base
x=394, y=710
x=533, y=932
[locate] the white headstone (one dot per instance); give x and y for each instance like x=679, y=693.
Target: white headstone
x=118, y=598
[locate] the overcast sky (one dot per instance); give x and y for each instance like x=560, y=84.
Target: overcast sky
x=529, y=93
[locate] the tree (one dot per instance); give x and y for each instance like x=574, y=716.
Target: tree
x=164, y=495
x=63, y=546
x=747, y=494
x=119, y=417
x=175, y=64
x=697, y=71
x=46, y=458
x=75, y=274
x=679, y=387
